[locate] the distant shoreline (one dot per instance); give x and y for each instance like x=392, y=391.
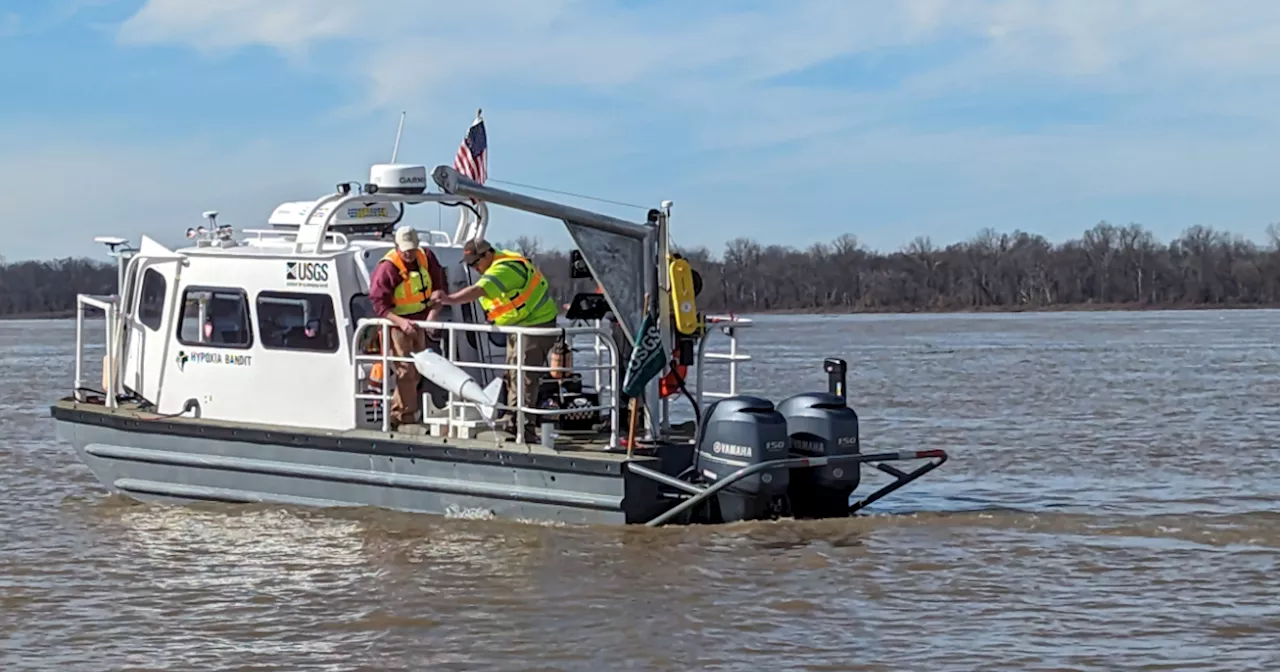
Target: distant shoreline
x=54, y=315
x=1057, y=308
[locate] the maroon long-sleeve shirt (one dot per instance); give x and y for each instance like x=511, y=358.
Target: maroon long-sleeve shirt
x=386, y=277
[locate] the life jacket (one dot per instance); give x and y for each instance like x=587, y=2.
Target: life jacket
x=372, y=345
x=515, y=305
x=415, y=286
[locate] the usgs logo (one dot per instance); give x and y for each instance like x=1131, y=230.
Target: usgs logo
x=306, y=273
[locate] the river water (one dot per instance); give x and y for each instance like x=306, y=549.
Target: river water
x=1111, y=503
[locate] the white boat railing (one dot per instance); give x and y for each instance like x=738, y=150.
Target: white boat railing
x=455, y=406
x=729, y=326
x=107, y=304
x=433, y=237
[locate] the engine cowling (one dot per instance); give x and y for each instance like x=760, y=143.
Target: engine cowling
x=739, y=432
x=821, y=424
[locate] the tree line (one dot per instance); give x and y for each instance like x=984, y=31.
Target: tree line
x=49, y=288
x=1109, y=266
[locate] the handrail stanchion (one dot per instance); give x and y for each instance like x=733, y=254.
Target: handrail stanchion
x=110, y=364
x=732, y=361
x=519, y=385
x=450, y=411
x=79, y=348
x=385, y=343
x=614, y=386
x=595, y=351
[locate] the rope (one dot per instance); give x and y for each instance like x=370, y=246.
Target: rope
x=569, y=193
x=589, y=198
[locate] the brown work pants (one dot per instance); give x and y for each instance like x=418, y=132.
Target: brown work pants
x=536, y=349
x=405, y=402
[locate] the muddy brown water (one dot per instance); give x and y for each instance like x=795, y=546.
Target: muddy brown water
x=1111, y=503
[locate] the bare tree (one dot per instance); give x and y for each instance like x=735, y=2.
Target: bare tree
x=1109, y=265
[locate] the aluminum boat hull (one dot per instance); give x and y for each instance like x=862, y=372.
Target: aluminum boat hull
x=177, y=460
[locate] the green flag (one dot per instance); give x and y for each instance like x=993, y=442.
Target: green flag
x=647, y=358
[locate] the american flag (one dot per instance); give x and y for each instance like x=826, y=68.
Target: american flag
x=472, y=159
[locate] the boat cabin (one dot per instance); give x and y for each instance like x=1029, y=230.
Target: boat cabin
x=274, y=325
x=256, y=330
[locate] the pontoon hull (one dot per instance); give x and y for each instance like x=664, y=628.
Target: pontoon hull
x=186, y=460
x=159, y=458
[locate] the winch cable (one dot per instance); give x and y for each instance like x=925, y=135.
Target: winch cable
x=697, y=418
x=463, y=204
x=569, y=193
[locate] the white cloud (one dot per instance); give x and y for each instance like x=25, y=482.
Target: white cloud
x=1157, y=71
x=288, y=25
x=161, y=189
x=411, y=51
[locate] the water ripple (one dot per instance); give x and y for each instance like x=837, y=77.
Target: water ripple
x=1111, y=504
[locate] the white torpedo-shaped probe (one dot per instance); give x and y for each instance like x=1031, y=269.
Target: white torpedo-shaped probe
x=444, y=373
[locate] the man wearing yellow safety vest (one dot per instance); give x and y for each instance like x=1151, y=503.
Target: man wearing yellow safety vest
x=400, y=290
x=513, y=293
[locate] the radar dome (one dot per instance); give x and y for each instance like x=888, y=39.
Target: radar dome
x=399, y=178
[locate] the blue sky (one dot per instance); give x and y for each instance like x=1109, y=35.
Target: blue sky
x=789, y=121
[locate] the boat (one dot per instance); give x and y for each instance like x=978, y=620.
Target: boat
x=238, y=368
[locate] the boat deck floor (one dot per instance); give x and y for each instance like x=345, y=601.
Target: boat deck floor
x=586, y=444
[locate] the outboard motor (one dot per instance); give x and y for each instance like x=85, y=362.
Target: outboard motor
x=739, y=432
x=821, y=424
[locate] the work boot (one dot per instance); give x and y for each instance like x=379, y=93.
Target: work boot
x=411, y=429
x=530, y=434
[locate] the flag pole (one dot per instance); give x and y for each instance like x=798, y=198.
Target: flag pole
x=635, y=407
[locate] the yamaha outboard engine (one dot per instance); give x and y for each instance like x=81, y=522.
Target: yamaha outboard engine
x=821, y=424
x=739, y=432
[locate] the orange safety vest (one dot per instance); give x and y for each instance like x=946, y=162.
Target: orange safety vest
x=495, y=308
x=410, y=297
x=375, y=372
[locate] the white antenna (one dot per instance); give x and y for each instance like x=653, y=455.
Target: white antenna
x=396, y=150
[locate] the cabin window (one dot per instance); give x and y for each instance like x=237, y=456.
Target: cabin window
x=215, y=318
x=361, y=308
x=297, y=321
x=151, y=307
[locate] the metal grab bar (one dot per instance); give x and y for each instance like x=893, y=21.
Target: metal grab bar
x=110, y=362
x=702, y=494
x=601, y=336
x=728, y=325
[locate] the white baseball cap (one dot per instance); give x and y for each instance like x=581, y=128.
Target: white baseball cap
x=406, y=238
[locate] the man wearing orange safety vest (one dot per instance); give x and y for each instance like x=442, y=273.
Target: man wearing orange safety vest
x=513, y=293
x=400, y=290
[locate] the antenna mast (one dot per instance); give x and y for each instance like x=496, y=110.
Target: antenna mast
x=396, y=149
